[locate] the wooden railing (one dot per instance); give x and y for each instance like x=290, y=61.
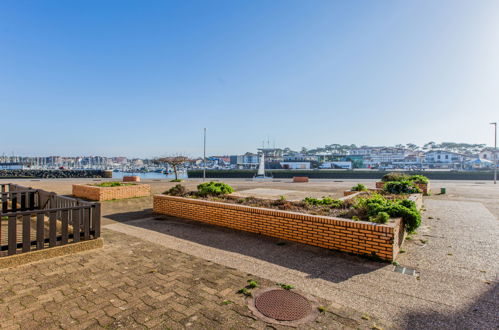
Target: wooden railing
x=34, y=219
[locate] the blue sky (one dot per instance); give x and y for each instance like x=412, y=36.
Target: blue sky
x=142, y=78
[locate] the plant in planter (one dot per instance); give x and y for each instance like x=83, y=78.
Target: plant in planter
x=178, y=190
x=325, y=201
x=113, y=184
x=394, y=176
x=419, y=179
x=406, y=209
x=214, y=189
x=359, y=187
x=401, y=187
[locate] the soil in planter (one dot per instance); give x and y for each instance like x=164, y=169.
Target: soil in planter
x=343, y=209
x=113, y=184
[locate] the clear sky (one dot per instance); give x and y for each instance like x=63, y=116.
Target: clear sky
x=142, y=78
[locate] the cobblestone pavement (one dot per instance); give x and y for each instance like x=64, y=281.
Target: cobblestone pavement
x=131, y=283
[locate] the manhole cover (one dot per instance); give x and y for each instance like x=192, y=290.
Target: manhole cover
x=283, y=305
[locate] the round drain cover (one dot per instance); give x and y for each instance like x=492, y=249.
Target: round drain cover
x=283, y=305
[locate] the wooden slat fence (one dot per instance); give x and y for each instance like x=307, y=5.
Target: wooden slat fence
x=34, y=219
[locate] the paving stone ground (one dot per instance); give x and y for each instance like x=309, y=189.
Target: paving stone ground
x=162, y=272
x=131, y=283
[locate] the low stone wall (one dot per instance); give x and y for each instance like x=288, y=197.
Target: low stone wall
x=96, y=193
x=58, y=251
x=425, y=187
x=51, y=174
x=346, y=235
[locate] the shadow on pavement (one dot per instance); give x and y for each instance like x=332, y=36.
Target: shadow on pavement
x=482, y=314
x=317, y=262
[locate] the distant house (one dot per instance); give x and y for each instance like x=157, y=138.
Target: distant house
x=376, y=156
x=248, y=160
x=300, y=158
x=347, y=165
x=295, y=165
x=488, y=154
x=479, y=163
x=445, y=159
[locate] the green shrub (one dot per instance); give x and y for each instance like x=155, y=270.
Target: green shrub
x=394, y=176
x=359, y=187
x=113, y=184
x=406, y=209
x=401, y=187
x=214, y=189
x=177, y=190
x=176, y=180
x=382, y=217
x=418, y=179
x=325, y=201
x=399, y=176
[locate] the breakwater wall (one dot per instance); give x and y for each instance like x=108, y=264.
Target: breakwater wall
x=339, y=174
x=51, y=174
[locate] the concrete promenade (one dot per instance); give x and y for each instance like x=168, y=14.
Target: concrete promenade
x=162, y=272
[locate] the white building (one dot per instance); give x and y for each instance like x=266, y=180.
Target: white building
x=344, y=165
x=488, y=154
x=295, y=165
x=445, y=159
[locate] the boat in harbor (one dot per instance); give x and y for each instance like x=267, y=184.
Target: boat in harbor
x=260, y=175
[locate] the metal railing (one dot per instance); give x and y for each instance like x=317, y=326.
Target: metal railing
x=34, y=219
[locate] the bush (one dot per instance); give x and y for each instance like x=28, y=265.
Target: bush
x=398, y=176
x=325, y=201
x=214, y=189
x=401, y=187
x=113, y=184
x=359, y=187
x=406, y=209
x=394, y=176
x=178, y=190
x=382, y=217
x=418, y=179
x=176, y=180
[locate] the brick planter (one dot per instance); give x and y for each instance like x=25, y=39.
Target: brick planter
x=364, y=238
x=425, y=187
x=96, y=193
x=131, y=178
x=300, y=179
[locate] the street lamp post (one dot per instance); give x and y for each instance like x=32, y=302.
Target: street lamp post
x=204, y=156
x=495, y=151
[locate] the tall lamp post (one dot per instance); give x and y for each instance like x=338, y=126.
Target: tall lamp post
x=204, y=156
x=495, y=151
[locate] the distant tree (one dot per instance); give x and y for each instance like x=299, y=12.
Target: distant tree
x=429, y=145
x=304, y=150
x=412, y=146
x=174, y=162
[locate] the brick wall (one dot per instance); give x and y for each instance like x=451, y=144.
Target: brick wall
x=327, y=232
x=108, y=193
